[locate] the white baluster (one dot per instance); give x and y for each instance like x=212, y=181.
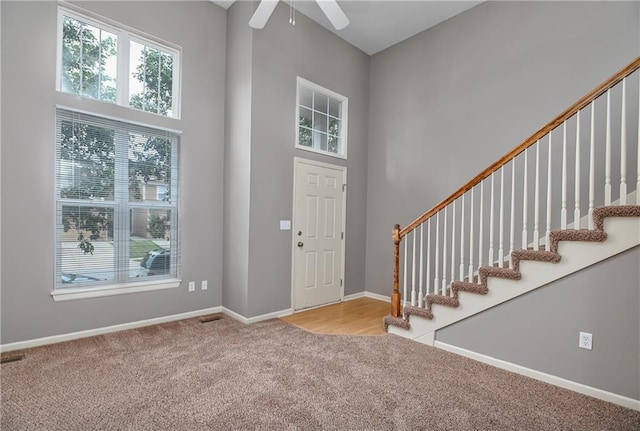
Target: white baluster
x=471, y=238
x=525, y=197
x=444, y=255
x=420, y=292
x=490, y=263
x=549, y=193
x=536, y=205
x=428, y=287
x=623, y=146
x=592, y=165
x=638, y=168
x=607, y=156
x=413, y=269
x=563, y=211
x=436, y=281
x=576, y=210
x=461, y=278
x=501, y=233
x=404, y=284
x=453, y=244
x=512, y=222
x=481, y=227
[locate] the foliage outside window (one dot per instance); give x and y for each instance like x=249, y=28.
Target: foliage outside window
x=322, y=120
x=94, y=54
x=89, y=60
x=109, y=218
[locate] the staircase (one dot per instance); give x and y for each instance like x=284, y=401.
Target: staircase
x=555, y=190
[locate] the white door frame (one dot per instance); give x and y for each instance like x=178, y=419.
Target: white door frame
x=294, y=240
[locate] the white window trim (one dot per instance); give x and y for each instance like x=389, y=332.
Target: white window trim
x=125, y=35
x=111, y=289
x=344, y=132
x=119, y=119
x=68, y=294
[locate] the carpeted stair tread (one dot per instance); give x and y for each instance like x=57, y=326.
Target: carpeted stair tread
x=465, y=286
x=575, y=235
x=551, y=256
x=395, y=321
x=506, y=273
x=412, y=310
x=600, y=213
x=440, y=300
x=537, y=255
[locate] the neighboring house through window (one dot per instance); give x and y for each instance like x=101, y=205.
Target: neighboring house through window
x=321, y=120
x=116, y=181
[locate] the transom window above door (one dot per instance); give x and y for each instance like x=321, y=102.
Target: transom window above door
x=321, y=120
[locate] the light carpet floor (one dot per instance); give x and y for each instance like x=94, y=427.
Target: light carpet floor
x=224, y=375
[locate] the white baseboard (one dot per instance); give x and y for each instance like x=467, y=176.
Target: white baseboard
x=366, y=294
x=384, y=298
x=544, y=377
x=105, y=330
x=249, y=320
x=353, y=296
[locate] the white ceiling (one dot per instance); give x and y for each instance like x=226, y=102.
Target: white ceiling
x=378, y=24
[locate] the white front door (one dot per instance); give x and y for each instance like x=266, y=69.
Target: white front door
x=318, y=231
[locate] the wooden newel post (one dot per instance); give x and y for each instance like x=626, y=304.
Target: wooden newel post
x=395, y=296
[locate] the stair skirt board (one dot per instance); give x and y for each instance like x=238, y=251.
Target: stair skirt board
x=621, y=226
x=600, y=394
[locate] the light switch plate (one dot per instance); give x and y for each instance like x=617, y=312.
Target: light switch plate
x=285, y=224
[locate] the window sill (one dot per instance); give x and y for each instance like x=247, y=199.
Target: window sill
x=68, y=294
x=318, y=151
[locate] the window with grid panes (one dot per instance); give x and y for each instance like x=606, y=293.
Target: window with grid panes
x=321, y=120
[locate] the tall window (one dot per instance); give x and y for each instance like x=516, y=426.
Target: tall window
x=110, y=63
x=322, y=120
x=116, y=200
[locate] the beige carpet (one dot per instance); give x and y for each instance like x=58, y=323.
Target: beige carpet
x=224, y=375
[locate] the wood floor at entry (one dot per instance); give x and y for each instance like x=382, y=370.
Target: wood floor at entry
x=362, y=316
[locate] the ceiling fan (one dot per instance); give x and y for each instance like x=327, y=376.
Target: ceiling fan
x=330, y=8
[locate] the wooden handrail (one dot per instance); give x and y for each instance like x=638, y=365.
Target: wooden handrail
x=568, y=113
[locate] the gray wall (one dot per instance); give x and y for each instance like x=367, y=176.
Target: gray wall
x=540, y=330
x=279, y=53
x=237, y=158
x=450, y=101
x=28, y=148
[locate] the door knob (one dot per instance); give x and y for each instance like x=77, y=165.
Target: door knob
x=300, y=243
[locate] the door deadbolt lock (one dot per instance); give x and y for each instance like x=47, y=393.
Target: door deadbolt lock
x=300, y=243
x=299, y=233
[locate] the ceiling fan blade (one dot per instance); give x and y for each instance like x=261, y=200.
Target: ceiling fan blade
x=262, y=13
x=334, y=13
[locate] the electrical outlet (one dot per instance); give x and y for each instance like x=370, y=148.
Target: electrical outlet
x=586, y=341
x=192, y=286
x=204, y=285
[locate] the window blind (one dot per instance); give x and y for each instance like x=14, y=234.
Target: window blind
x=116, y=202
